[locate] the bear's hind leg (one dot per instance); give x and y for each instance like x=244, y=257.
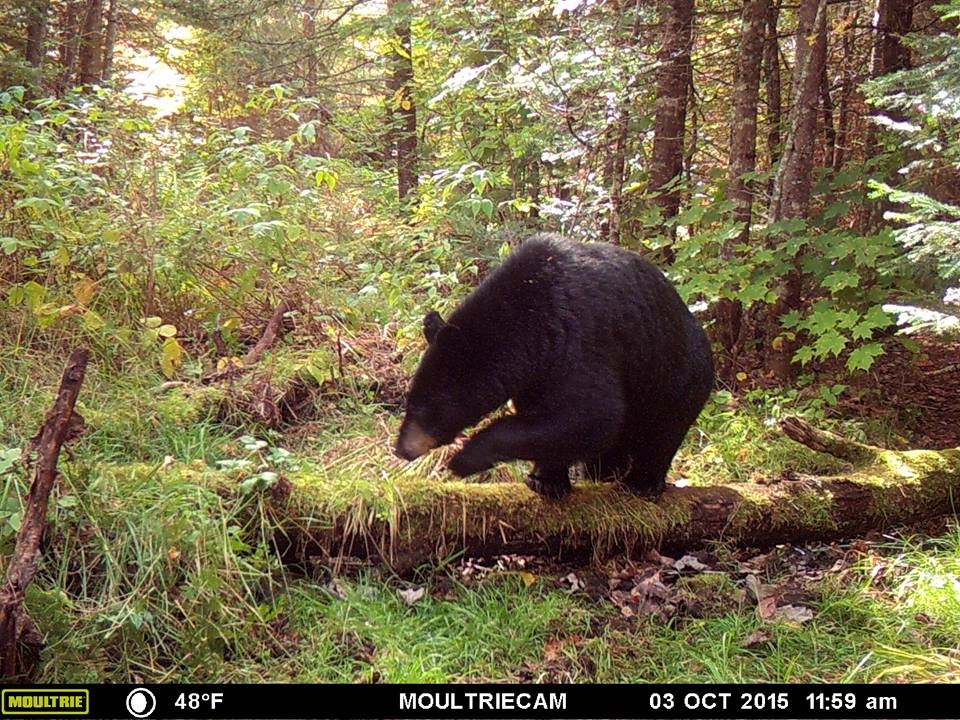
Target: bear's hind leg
x=552, y=481
x=611, y=464
x=651, y=462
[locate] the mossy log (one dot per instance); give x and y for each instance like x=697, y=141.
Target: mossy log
x=426, y=521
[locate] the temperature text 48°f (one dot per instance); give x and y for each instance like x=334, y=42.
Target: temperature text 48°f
x=195, y=701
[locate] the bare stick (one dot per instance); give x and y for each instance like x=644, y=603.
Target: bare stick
x=826, y=442
x=269, y=333
x=14, y=625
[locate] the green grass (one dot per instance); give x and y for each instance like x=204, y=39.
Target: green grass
x=503, y=630
x=483, y=633
x=154, y=575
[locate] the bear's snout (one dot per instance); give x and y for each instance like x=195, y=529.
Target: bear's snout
x=414, y=441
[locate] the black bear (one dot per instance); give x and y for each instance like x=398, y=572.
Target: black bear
x=603, y=361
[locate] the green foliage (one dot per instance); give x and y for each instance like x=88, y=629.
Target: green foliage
x=268, y=462
x=928, y=229
x=197, y=222
x=176, y=592
x=922, y=113
x=742, y=439
x=519, y=113
x=852, y=274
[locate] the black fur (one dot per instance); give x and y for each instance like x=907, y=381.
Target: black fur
x=603, y=361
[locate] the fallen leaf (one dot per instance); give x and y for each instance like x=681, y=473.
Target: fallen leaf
x=411, y=596
x=767, y=607
x=758, y=637
x=766, y=600
x=690, y=561
x=528, y=578
x=655, y=558
x=573, y=581
x=794, y=613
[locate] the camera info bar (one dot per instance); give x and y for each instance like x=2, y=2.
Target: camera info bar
x=344, y=702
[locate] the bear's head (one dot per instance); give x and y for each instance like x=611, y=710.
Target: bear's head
x=446, y=395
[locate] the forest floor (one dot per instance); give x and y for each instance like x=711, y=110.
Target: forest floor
x=916, y=389
x=187, y=591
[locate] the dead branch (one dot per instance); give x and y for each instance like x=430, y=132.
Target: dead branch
x=827, y=442
x=267, y=339
x=269, y=336
x=16, y=629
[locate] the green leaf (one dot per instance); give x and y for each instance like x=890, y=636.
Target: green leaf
x=835, y=209
x=8, y=458
x=840, y=279
x=92, y=321
x=910, y=344
x=803, y=355
x=171, y=357
x=751, y=293
x=325, y=177
x=862, y=358
x=828, y=396
x=10, y=245
x=830, y=343
x=791, y=320
x=824, y=318
x=33, y=293
x=15, y=295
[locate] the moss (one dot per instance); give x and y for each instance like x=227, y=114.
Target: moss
x=750, y=510
x=186, y=405
x=809, y=507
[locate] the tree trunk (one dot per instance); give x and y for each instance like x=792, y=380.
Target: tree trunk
x=403, y=111
x=89, y=66
x=618, y=157
x=311, y=77
x=38, y=14
x=670, y=109
x=743, y=152
x=829, y=131
x=791, y=186
x=743, y=123
x=110, y=40
x=772, y=89
x=847, y=89
x=892, y=20
x=618, y=164
x=437, y=519
x=70, y=34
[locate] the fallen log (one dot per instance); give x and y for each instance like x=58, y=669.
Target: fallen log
x=19, y=640
x=422, y=520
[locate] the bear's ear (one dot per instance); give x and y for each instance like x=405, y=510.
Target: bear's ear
x=432, y=325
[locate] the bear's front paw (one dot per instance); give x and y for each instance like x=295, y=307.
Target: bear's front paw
x=466, y=463
x=553, y=487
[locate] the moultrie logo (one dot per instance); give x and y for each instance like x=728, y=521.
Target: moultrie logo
x=24, y=702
